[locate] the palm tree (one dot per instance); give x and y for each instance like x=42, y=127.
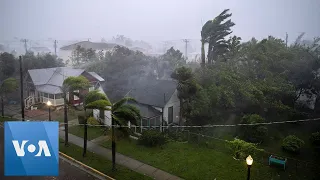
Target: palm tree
x=214, y=32
x=121, y=114
x=7, y=86
x=70, y=85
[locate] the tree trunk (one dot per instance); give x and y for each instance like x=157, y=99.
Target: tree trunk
x=113, y=146
x=65, y=122
x=85, y=136
x=2, y=106
x=203, y=55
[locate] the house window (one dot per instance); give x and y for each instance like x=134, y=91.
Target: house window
x=74, y=96
x=45, y=95
x=170, y=114
x=91, y=88
x=58, y=96
x=51, y=96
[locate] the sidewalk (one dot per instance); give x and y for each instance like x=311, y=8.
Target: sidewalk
x=123, y=160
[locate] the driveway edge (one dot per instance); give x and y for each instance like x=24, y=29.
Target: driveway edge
x=88, y=169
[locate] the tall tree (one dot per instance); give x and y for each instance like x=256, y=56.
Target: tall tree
x=7, y=86
x=121, y=114
x=7, y=65
x=71, y=84
x=214, y=32
x=186, y=86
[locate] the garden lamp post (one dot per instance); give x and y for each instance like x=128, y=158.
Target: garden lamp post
x=249, y=162
x=49, y=104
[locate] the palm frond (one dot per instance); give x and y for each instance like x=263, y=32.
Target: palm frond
x=94, y=96
x=121, y=102
x=128, y=112
x=99, y=104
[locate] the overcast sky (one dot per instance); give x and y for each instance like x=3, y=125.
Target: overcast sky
x=158, y=20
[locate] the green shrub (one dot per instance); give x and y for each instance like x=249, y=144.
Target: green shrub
x=81, y=118
x=315, y=138
x=255, y=133
x=292, y=143
x=92, y=121
x=241, y=149
x=152, y=138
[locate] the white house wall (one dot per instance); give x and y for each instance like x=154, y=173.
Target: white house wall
x=173, y=101
x=107, y=114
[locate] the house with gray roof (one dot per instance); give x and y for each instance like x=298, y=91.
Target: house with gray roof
x=155, y=99
x=43, y=85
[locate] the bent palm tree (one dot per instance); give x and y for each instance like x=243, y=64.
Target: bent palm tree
x=7, y=86
x=121, y=114
x=70, y=85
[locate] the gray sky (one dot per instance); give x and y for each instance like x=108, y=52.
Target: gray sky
x=154, y=20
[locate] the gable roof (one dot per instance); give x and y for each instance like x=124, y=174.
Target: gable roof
x=95, y=75
x=50, y=80
x=88, y=45
x=152, y=93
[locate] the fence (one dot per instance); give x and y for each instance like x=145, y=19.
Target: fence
x=294, y=168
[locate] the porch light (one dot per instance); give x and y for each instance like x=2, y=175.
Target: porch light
x=49, y=103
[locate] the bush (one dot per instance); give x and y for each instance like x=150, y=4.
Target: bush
x=292, y=144
x=315, y=138
x=241, y=149
x=92, y=121
x=152, y=138
x=81, y=118
x=255, y=133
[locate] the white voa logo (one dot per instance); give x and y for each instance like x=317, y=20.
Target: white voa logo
x=43, y=147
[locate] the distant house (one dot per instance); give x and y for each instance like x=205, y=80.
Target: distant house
x=66, y=51
x=40, y=50
x=42, y=85
x=155, y=99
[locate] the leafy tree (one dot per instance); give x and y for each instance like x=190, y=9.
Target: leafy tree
x=7, y=65
x=71, y=84
x=292, y=144
x=82, y=55
x=214, y=32
x=121, y=113
x=174, y=57
x=186, y=86
x=7, y=86
x=30, y=61
x=255, y=133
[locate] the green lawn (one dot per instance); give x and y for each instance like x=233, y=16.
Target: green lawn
x=100, y=163
x=93, y=132
x=192, y=162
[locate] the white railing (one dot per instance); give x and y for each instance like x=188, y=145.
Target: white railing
x=28, y=102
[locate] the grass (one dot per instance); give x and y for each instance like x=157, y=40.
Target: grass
x=100, y=163
x=93, y=132
x=2, y=119
x=192, y=162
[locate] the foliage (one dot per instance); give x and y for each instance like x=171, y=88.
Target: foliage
x=241, y=149
x=82, y=55
x=8, y=65
x=31, y=61
x=254, y=133
x=174, y=57
x=152, y=138
x=292, y=144
x=92, y=121
x=315, y=138
x=8, y=85
x=214, y=32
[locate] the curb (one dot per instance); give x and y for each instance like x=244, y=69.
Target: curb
x=86, y=167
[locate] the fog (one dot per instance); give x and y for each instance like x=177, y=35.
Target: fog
x=153, y=21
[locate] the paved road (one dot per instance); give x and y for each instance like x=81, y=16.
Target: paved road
x=66, y=171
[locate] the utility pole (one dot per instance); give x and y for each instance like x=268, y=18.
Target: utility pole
x=55, y=47
x=186, y=52
x=25, y=44
x=21, y=89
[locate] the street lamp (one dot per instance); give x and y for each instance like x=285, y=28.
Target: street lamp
x=49, y=104
x=249, y=161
